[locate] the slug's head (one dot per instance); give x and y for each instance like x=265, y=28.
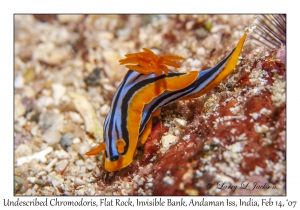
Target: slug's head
x=115, y=157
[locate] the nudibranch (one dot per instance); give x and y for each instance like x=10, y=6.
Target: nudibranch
x=146, y=87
